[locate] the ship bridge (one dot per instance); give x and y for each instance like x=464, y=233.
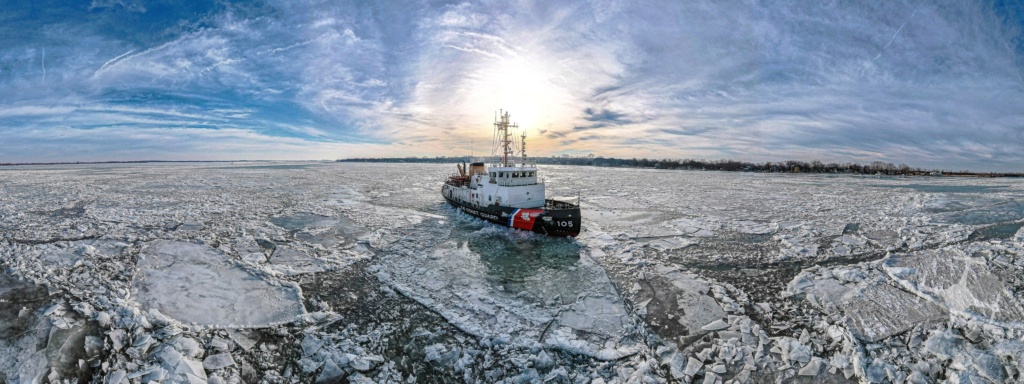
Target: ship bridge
x=512, y=176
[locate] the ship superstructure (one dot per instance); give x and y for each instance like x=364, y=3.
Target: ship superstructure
x=508, y=193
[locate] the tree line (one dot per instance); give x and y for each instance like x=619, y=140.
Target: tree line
x=789, y=166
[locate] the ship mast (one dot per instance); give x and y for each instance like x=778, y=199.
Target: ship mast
x=502, y=128
x=522, y=150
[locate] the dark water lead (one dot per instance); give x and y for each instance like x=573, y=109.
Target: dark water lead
x=999, y=231
x=994, y=214
x=851, y=228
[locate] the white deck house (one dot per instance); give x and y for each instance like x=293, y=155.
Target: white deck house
x=510, y=186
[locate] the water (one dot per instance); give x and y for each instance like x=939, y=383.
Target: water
x=1000, y=231
x=395, y=283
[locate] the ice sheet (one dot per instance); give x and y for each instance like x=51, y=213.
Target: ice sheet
x=676, y=276
x=960, y=282
x=197, y=284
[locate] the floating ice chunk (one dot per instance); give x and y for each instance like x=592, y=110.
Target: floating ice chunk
x=691, y=294
x=801, y=245
x=703, y=233
x=604, y=239
x=117, y=339
x=987, y=365
x=187, y=366
x=715, y=325
x=355, y=362
x=254, y=258
x=188, y=346
x=244, y=338
x=93, y=346
x=756, y=228
x=310, y=344
x=874, y=309
x=692, y=366
x=330, y=374
x=566, y=340
x=793, y=350
x=812, y=368
x=943, y=344
x=218, y=361
x=595, y=314
x=293, y=260
x=918, y=377
x=196, y=284
x=542, y=360
x=875, y=372
x=103, y=319
x=848, y=275
x=670, y=243
x=799, y=283
x=964, y=284
x=841, y=250
x=878, y=310
x=1008, y=348
x=116, y=377
x=827, y=293
x=434, y=352
x=675, y=364
x=219, y=344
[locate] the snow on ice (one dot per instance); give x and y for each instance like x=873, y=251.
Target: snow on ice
x=327, y=272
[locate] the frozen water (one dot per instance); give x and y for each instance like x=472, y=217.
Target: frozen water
x=962, y=283
x=218, y=361
x=146, y=272
x=523, y=289
x=874, y=309
x=197, y=284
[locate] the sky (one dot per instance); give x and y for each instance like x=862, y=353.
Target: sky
x=934, y=84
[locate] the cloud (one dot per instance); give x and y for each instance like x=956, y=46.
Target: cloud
x=132, y=6
x=928, y=84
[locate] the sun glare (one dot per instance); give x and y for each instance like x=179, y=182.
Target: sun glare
x=522, y=88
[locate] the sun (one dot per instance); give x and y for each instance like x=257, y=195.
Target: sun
x=523, y=88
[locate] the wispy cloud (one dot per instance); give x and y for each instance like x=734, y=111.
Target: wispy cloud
x=937, y=85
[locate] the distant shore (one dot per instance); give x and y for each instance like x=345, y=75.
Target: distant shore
x=131, y=162
x=789, y=166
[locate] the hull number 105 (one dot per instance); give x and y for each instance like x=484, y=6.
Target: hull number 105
x=567, y=224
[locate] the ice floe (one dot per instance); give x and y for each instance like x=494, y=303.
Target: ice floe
x=198, y=284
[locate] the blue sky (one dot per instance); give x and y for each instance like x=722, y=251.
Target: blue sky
x=932, y=84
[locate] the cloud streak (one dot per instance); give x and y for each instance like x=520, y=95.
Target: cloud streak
x=928, y=84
